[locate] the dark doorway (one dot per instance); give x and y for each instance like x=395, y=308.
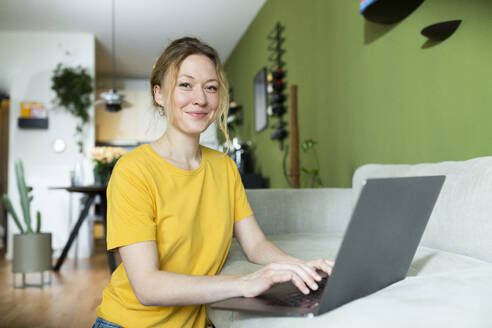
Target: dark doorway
x=4, y=163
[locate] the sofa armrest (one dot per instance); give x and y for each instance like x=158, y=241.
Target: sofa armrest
x=280, y=211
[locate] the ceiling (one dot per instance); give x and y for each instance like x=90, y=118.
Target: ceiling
x=143, y=27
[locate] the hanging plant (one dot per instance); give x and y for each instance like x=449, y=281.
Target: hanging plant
x=73, y=88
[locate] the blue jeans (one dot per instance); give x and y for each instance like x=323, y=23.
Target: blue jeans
x=101, y=323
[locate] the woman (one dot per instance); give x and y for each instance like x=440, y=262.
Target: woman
x=174, y=205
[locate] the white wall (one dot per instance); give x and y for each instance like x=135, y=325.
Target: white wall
x=27, y=60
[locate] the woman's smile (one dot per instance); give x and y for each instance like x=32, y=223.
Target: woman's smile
x=198, y=114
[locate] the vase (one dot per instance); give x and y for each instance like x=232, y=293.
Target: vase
x=78, y=178
x=102, y=176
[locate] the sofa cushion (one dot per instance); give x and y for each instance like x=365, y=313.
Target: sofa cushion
x=441, y=289
x=462, y=218
x=280, y=210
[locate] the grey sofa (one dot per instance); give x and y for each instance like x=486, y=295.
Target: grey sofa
x=449, y=283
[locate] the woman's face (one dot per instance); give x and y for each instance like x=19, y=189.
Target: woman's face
x=195, y=98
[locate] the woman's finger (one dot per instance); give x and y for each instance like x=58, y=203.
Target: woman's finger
x=302, y=271
x=328, y=262
x=323, y=265
x=311, y=270
x=279, y=275
x=299, y=283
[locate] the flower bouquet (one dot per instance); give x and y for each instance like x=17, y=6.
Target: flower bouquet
x=104, y=159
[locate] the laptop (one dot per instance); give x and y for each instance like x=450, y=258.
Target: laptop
x=379, y=244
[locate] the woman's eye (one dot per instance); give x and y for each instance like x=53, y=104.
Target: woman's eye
x=212, y=88
x=184, y=85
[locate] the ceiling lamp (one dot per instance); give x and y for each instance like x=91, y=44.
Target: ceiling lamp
x=112, y=100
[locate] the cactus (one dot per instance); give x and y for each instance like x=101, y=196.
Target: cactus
x=38, y=222
x=11, y=210
x=25, y=201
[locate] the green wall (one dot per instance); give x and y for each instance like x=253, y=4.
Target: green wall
x=372, y=93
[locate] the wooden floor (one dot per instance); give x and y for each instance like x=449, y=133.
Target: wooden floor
x=70, y=300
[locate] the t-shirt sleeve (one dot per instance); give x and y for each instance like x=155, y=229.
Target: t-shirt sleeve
x=242, y=209
x=130, y=213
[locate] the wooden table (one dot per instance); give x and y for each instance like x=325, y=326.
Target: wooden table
x=91, y=193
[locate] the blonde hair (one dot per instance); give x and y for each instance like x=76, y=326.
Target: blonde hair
x=169, y=63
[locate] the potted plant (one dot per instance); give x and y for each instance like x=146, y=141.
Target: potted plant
x=315, y=180
x=104, y=160
x=73, y=88
x=32, y=248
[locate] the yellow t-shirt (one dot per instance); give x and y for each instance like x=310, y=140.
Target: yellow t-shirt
x=189, y=214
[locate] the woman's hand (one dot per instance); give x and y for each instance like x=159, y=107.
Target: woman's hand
x=301, y=273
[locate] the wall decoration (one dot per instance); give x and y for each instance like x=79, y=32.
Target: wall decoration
x=441, y=31
x=33, y=115
x=387, y=11
x=32, y=110
x=276, y=83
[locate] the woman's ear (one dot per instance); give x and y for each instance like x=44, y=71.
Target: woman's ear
x=158, y=96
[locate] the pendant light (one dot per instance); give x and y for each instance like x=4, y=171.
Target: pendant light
x=112, y=100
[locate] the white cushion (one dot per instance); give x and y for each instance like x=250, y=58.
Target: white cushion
x=301, y=210
x=462, y=218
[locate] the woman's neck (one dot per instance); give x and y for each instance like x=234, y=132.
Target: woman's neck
x=179, y=149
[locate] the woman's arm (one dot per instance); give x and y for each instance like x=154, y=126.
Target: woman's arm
x=154, y=287
x=257, y=248
x=260, y=250
x=161, y=288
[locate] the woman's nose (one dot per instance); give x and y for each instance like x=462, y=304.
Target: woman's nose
x=199, y=97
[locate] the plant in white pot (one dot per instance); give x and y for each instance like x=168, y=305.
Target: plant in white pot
x=32, y=248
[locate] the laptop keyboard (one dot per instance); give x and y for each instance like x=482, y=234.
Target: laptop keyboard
x=297, y=299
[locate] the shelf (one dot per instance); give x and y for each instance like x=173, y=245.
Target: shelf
x=441, y=31
x=387, y=11
x=32, y=123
